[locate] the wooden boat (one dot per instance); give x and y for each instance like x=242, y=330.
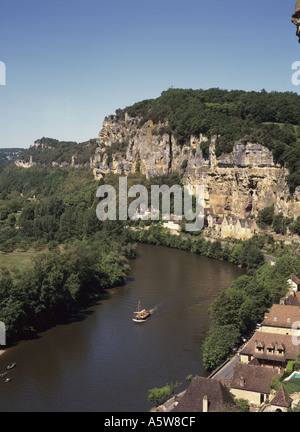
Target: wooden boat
x=11, y=366
x=141, y=315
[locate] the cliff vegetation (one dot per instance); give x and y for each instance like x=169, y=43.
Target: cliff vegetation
x=270, y=119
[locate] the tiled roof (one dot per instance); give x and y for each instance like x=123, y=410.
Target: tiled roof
x=254, y=378
x=282, y=399
x=281, y=316
x=264, y=339
x=295, y=279
x=293, y=299
x=217, y=394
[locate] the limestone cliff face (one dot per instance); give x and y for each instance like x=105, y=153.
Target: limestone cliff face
x=245, y=181
x=242, y=182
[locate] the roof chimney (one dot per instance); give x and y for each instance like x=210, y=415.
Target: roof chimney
x=242, y=382
x=205, y=403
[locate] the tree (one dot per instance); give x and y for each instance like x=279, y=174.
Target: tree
x=295, y=227
x=265, y=216
x=286, y=265
x=280, y=223
x=235, y=253
x=217, y=347
x=158, y=395
x=243, y=404
x=173, y=386
x=224, y=310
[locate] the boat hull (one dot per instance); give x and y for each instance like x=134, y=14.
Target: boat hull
x=139, y=320
x=141, y=316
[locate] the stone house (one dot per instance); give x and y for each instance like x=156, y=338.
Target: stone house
x=294, y=283
x=282, y=319
x=292, y=299
x=238, y=228
x=252, y=383
x=205, y=395
x=269, y=350
x=231, y=226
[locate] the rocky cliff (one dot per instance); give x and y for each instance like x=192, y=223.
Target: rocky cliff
x=242, y=182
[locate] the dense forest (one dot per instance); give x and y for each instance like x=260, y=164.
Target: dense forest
x=48, y=151
x=7, y=155
x=271, y=119
x=52, y=212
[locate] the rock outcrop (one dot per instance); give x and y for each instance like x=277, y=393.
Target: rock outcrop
x=241, y=183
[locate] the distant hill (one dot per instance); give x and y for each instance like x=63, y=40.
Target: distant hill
x=52, y=152
x=7, y=155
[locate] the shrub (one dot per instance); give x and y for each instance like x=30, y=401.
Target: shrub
x=290, y=367
x=276, y=382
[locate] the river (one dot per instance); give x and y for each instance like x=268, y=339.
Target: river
x=103, y=361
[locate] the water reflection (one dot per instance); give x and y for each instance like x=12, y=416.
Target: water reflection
x=104, y=361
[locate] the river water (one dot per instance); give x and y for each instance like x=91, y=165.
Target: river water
x=104, y=361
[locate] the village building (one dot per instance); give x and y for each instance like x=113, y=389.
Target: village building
x=206, y=395
x=208, y=211
x=252, y=383
x=294, y=283
x=282, y=319
x=173, y=225
x=270, y=350
x=281, y=402
x=231, y=226
x=292, y=299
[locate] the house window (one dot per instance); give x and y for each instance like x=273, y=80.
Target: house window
x=275, y=318
x=288, y=320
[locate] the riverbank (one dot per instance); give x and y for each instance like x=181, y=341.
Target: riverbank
x=247, y=254
x=67, y=367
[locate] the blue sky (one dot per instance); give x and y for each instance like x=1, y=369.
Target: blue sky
x=69, y=63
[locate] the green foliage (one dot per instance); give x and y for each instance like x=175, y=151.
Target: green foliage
x=158, y=395
x=276, y=382
x=244, y=304
x=57, y=284
x=48, y=151
x=297, y=363
x=292, y=385
x=265, y=216
x=286, y=265
x=246, y=254
x=295, y=227
x=270, y=119
x=280, y=223
x=290, y=367
x=7, y=155
x=218, y=345
x=243, y=404
x=174, y=385
x=184, y=164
